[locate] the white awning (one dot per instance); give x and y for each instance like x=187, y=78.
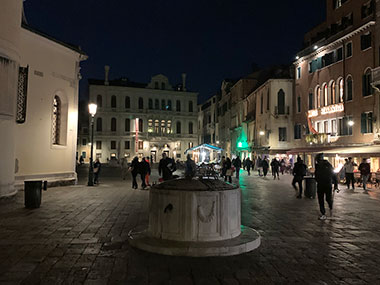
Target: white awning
x=358, y=150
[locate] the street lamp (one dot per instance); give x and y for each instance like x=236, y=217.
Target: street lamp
x=92, y=110
x=350, y=123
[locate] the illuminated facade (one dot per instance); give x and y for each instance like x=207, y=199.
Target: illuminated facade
x=135, y=119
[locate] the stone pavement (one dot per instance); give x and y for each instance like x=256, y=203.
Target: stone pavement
x=79, y=235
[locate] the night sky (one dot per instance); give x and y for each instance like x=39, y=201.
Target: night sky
x=210, y=40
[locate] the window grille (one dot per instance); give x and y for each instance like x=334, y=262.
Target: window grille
x=56, y=119
x=22, y=89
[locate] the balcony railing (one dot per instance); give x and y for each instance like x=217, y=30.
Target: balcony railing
x=376, y=78
x=317, y=138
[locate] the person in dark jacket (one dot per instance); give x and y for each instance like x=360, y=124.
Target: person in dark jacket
x=324, y=175
x=165, y=167
x=275, y=168
x=134, y=168
x=237, y=164
x=144, y=170
x=248, y=164
x=299, y=171
x=365, y=171
x=228, y=166
x=265, y=166
x=97, y=166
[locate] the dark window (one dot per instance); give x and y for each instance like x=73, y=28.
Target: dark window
x=22, y=90
x=98, y=144
x=281, y=102
x=84, y=141
x=268, y=100
x=113, y=125
x=127, y=144
x=99, y=101
x=349, y=50
x=141, y=125
x=127, y=125
x=365, y=41
x=178, y=106
x=349, y=88
x=344, y=128
x=156, y=85
x=366, y=123
x=127, y=102
x=190, y=128
x=366, y=84
x=162, y=85
x=150, y=104
x=113, y=144
x=339, y=54
x=190, y=106
x=156, y=104
x=299, y=104
x=261, y=103
x=297, y=131
x=368, y=9
x=298, y=72
x=56, y=120
x=282, y=134
x=113, y=101
x=163, y=104
x=99, y=125
x=141, y=103
x=169, y=106
x=311, y=101
x=178, y=127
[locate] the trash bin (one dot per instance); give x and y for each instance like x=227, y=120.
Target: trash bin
x=32, y=193
x=310, y=187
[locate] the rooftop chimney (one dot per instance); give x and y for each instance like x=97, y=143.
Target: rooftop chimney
x=106, y=72
x=183, y=81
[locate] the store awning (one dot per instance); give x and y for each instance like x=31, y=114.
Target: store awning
x=206, y=146
x=358, y=150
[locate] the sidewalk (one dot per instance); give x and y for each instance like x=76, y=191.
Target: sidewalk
x=79, y=235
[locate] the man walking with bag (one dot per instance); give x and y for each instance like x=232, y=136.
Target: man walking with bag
x=299, y=171
x=324, y=173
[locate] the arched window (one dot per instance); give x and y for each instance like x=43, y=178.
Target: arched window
x=156, y=126
x=113, y=101
x=325, y=96
x=169, y=126
x=332, y=92
x=190, y=106
x=178, y=127
x=150, y=104
x=141, y=125
x=127, y=102
x=366, y=87
x=141, y=103
x=178, y=106
x=311, y=100
x=156, y=104
x=169, y=105
x=163, y=125
x=349, y=88
x=341, y=90
x=163, y=104
x=99, y=125
x=57, y=110
x=281, y=102
x=127, y=125
x=318, y=97
x=190, y=127
x=113, y=125
x=99, y=101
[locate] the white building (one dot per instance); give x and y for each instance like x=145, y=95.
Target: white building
x=141, y=119
x=39, y=78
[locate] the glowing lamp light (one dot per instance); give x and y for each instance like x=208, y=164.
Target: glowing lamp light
x=217, y=142
x=92, y=109
x=262, y=133
x=350, y=123
x=240, y=144
x=315, y=47
x=297, y=57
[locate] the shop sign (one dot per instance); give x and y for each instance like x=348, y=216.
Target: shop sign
x=332, y=109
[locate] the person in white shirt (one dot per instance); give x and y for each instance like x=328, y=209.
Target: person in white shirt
x=349, y=170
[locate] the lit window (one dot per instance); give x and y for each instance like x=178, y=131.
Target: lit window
x=56, y=120
x=341, y=90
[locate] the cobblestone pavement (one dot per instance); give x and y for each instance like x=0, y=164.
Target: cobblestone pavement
x=79, y=235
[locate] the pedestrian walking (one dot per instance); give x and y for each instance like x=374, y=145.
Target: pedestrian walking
x=165, y=167
x=223, y=166
x=349, y=170
x=190, y=167
x=144, y=169
x=324, y=173
x=81, y=160
x=97, y=166
x=237, y=164
x=228, y=166
x=244, y=164
x=265, y=166
x=124, y=168
x=365, y=171
x=282, y=166
x=134, y=169
x=275, y=168
x=248, y=165
x=259, y=165
x=299, y=171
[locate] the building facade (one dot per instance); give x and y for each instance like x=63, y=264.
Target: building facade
x=334, y=102
x=39, y=78
x=135, y=119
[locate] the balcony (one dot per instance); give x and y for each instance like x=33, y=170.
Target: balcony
x=317, y=139
x=376, y=78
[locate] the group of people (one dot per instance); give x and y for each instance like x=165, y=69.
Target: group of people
x=348, y=170
x=230, y=167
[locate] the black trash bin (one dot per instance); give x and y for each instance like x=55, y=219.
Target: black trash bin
x=310, y=187
x=32, y=193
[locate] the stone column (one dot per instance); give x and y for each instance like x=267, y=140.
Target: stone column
x=10, y=27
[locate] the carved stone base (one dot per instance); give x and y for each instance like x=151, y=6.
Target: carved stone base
x=248, y=240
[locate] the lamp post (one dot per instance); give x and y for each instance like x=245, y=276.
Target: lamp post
x=92, y=110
